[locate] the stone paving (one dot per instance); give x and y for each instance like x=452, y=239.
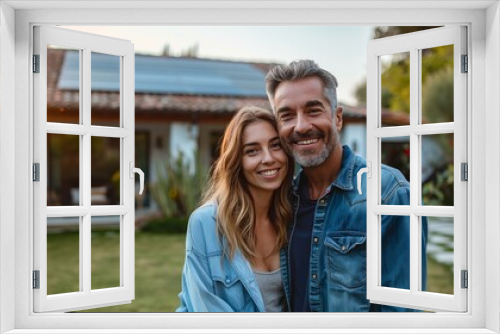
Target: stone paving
x=440, y=244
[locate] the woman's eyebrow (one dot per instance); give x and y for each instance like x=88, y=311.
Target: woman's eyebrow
x=251, y=144
x=257, y=144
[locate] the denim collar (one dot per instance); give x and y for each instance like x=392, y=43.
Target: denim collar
x=345, y=176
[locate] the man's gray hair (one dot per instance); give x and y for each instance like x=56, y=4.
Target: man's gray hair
x=301, y=69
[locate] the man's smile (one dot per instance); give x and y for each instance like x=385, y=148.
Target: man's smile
x=307, y=141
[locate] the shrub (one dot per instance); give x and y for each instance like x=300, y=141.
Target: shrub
x=439, y=189
x=166, y=225
x=179, y=186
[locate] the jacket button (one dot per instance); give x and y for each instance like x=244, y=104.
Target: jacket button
x=315, y=240
x=343, y=247
x=322, y=201
x=314, y=276
x=228, y=280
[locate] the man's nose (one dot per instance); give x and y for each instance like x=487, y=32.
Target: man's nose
x=302, y=125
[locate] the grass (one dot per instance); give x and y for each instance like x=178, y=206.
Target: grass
x=439, y=277
x=158, y=265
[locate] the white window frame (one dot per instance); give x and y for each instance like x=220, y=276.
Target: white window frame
x=123, y=50
x=17, y=19
x=415, y=210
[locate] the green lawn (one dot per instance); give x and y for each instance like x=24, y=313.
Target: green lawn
x=158, y=265
x=439, y=277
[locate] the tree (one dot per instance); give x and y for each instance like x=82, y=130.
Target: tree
x=396, y=70
x=437, y=103
x=381, y=32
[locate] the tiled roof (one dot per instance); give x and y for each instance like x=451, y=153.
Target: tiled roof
x=154, y=104
x=67, y=100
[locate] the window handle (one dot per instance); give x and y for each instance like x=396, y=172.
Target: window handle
x=367, y=170
x=141, y=176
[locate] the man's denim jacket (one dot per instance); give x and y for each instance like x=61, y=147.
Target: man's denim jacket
x=210, y=282
x=337, y=270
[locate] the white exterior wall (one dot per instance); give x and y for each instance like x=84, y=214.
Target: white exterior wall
x=354, y=135
x=184, y=138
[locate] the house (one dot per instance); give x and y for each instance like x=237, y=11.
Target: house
x=182, y=104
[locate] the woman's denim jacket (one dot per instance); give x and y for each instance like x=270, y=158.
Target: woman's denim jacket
x=337, y=268
x=210, y=282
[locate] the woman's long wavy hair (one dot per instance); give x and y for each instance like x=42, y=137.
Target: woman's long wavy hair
x=228, y=187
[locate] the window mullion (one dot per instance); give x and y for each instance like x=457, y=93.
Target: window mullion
x=82, y=258
x=415, y=170
x=85, y=246
x=127, y=121
x=434, y=129
x=422, y=211
x=392, y=131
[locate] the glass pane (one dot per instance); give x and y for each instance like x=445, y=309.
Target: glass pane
x=437, y=84
x=395, y=89
x=63, y=85
x=105, y=85
x=63, y=255
x=63, y=170
x=395, y=153
x=437, y=170
x=105, y=259
x=105, y=171
x=439, y=255
x=395, y=252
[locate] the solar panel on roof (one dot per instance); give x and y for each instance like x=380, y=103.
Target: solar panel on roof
x=164, y=75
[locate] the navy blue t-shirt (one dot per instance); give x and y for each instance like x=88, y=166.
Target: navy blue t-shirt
x=300, y=251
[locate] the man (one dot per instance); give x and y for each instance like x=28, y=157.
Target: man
x=324, y=265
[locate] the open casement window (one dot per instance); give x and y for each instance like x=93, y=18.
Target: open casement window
x=427, y=135
x=83, y=164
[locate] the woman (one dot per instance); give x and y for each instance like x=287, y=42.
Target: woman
x=233, y=240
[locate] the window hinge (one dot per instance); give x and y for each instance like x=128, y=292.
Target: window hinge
x=465, y=64
x=465, y=279
x=36, y=279
x=36, y=63
x=36, y=172
x=464, y=171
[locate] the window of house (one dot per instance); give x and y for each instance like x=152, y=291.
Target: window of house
x=215, y=141
x=476, y=315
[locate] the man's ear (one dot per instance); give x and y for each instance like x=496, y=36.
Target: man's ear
x=339, y=120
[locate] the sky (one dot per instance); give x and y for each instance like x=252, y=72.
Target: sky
x=340, y=50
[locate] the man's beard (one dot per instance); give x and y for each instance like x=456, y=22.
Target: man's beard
x=309, y=158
